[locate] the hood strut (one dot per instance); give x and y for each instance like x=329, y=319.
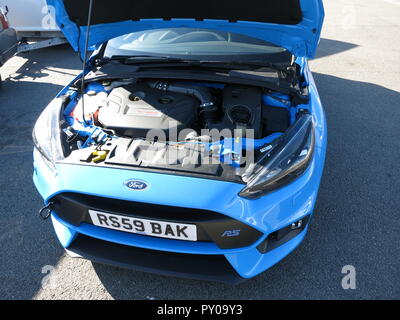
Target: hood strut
x=85, y=58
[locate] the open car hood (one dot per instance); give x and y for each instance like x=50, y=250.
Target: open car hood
x=293, y=24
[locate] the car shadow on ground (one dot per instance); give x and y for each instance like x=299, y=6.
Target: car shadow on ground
x=356, y=214
x=328, y=47
x=27, y=243
x=57, y=62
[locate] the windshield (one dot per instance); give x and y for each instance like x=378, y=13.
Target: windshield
x=193, y=43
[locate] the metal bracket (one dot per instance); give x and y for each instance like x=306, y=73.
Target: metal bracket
x=41, y=44
x=45, y=212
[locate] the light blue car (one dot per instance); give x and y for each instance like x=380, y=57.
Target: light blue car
x=194, y=146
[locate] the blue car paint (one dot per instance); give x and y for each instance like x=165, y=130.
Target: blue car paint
x=301, y=39
x=277, y=100
x=267, y=214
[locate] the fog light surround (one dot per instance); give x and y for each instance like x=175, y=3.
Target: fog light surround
x=281, y=236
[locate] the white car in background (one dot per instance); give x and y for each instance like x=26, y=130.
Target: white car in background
x=31, y=18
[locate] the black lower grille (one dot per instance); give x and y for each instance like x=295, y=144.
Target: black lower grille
x=201, y=267
x=211, y=226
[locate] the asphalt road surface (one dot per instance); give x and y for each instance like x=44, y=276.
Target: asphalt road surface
x=357, y=215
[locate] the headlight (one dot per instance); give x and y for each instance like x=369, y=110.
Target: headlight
x=285, y=162
x=46, y=133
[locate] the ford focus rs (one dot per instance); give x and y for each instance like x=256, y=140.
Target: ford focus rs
x=194, y=140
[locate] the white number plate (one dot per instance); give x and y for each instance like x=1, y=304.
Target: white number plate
x=154, y=228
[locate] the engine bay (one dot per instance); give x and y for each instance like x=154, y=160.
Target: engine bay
x=184, y=127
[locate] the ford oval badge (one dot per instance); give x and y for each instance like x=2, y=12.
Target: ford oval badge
x=137, y=185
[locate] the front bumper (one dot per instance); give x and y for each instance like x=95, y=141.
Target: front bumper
x=198, y=260
x=191, y=266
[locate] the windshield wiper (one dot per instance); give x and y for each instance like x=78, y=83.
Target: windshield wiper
x=148, y=61
x=249, y=64
x=206, y=63
x=151, y=59
x=142, y=59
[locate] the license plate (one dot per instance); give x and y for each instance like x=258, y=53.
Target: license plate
x=154, y=228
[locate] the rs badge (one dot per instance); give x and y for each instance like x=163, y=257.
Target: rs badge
x=231, y=233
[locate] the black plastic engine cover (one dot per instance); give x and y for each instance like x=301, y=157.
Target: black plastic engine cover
x=135, y=109
x=242, y=109
x=275, y=119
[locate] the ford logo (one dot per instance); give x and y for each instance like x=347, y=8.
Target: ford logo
x=137, y=185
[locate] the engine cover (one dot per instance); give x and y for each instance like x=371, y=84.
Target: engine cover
x=134, y=110
x=242, y=109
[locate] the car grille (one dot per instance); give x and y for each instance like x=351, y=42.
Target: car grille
x=201, y=267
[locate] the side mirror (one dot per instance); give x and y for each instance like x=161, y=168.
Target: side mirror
x=6, y=12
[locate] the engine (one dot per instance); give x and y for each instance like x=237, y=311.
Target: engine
x=194, y=124
x=135, y=109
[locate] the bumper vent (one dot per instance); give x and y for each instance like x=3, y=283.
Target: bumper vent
x=200, y=267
